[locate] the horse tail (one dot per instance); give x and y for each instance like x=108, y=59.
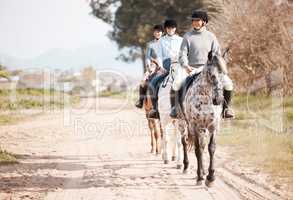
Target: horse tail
x=190, y=142
x=202, y=137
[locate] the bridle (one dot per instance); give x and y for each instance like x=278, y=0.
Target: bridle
x=171, y=74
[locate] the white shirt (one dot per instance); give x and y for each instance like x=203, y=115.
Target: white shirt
x=168, y=47
x=151, y=54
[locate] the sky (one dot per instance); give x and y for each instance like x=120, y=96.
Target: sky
x=29, y=28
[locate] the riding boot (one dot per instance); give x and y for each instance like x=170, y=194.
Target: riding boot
x=227, y=112
x=173, y=101
x=142, y=93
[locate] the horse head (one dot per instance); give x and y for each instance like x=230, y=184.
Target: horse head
x=213, y=72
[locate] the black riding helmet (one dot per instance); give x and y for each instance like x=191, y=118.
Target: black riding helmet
x=199, y=14
x=170, y=23
x=158, y=27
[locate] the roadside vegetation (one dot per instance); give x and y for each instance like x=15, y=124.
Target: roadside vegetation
x=131, y=96
x=30, y=99
x=118, y=95
x=261, y=136
x=7, y=158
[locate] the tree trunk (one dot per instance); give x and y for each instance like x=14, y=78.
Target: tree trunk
x=143, y=54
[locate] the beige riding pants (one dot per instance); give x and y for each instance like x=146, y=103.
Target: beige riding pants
x=181, y=75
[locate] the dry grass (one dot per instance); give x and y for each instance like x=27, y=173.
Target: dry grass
x=260, y=138
x=258, y=34
x=7, y=158
x=13, y=118
x=33, y=98
x=270, y=151
x=30, y=99
x=8, y=119
x=131, y=96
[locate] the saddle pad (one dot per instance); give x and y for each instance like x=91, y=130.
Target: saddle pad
x=188, y=82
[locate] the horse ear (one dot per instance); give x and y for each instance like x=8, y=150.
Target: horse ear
x=221, y=64
x=210, y=56
x=226, y=54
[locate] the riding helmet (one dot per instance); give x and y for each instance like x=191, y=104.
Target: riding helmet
x=158, y=27
x=201, y=15
x=170, y=23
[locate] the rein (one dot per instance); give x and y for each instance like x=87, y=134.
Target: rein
x=171, y=74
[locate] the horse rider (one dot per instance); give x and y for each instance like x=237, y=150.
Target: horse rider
x=198, y=46
x=150, y=66
x=167, y=53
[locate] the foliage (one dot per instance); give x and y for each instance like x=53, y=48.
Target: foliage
x=33, y=98
x=7, y=158
x=259, y=36
x=257, y=32
x=254, y=142
x=133, y=20
x=3, y=72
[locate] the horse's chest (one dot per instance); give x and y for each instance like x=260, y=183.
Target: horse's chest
x=198, y=104
x=202, y=118
x=199, y=97
x=199, y=107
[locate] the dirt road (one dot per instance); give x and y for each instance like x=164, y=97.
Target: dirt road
x=101, y=151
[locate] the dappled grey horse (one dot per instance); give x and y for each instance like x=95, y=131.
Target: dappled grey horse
x=202, y=114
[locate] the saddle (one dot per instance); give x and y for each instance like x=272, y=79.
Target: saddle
x=186, y=85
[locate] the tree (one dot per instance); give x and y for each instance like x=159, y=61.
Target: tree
x=133, y=20
x=259, y=37
x=3, y=72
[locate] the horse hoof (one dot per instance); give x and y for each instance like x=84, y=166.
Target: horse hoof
x=153, y=151
x=209, y=183
x=199, y=182
x=185, y=171
x=166, y=162
x=173, y=158
x=178, y=166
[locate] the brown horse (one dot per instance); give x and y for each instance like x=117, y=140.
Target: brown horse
x=155, y=128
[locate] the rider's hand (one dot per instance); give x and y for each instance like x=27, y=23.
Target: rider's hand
x=154, y=61
x=162, y=70
x=148, y=68
x=188, y=69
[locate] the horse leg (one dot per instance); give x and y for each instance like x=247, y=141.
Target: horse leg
x=199, y=148
x=174, y=143
x=165, y=149
x=185, y=155
x=157, y=137
x=179, y=150
x=212, y=148
x=151, y=127
x=166, y=138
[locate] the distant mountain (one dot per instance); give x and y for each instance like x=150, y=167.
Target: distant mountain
x=12, y=62
x=100, y=57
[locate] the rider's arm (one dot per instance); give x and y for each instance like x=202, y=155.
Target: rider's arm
x=159, y=52
x=216, y=48
x=148, y=56
x=183, y=54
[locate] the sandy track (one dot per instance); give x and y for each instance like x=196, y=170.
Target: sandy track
x=102, y=153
